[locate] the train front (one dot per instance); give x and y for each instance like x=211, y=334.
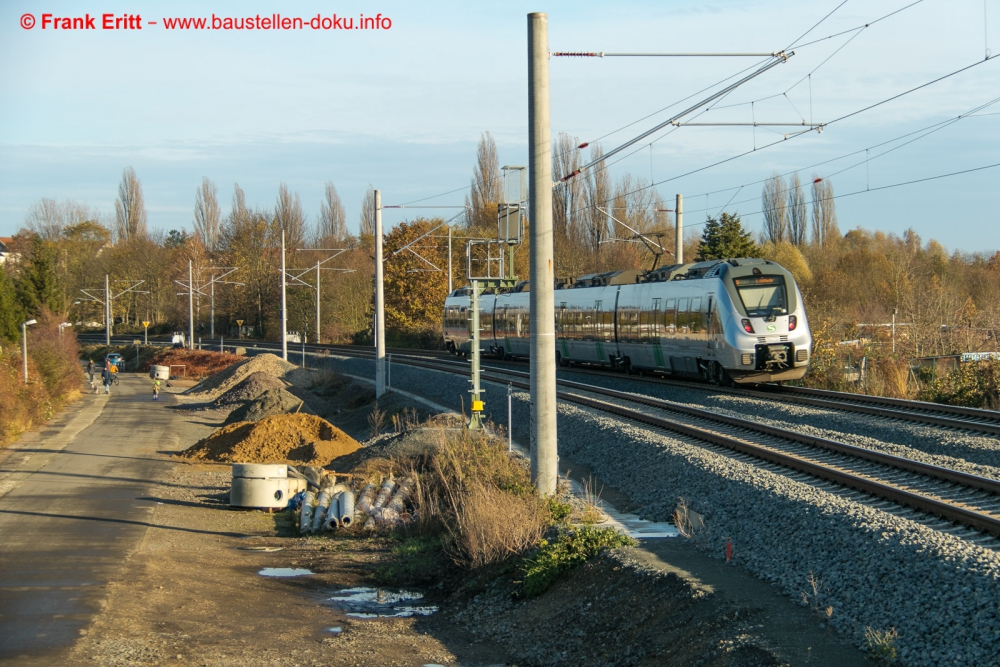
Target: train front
x=767, y=337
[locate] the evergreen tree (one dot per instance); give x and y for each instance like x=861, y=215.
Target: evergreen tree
x=11, y=314
x=38, y=281
x=725, y=238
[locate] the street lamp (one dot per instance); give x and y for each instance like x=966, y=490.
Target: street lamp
x=24, y=346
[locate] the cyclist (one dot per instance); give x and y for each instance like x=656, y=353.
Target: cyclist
x=156, y=390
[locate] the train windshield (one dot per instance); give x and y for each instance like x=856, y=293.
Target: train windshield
x=763, y=296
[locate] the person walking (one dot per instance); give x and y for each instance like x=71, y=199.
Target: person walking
x=107, y=376
x=90, y=371
x=156, y=390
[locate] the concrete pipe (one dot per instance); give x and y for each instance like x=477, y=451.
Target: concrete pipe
x=305, y=518
x=333, y=515
x=398, y=502
x=322, y=509
x=384, y=494
x=366, y=499
x=346, y=508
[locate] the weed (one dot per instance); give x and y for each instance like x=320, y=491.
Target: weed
x=591, y=513
x=882, y=645
x=687, y=521
x=571, y=547
x=376, y=420
x=414, y=560
x=811, y=597
x=559, y=511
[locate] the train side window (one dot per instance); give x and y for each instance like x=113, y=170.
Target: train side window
x=683, y=317
x=669, y=315
x=696, y=315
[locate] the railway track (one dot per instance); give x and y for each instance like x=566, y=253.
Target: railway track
x=956, y=497
x=932, y=414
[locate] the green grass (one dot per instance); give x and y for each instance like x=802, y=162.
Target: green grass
x=571, y=548
x=413, y=561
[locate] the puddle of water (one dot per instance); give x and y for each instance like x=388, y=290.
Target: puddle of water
x=380, y=603
x=266, y=549
x=284, y=572
x=337, y=630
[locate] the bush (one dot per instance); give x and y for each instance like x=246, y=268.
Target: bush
x=54, y=376
x=571, y=548
x=973, y=385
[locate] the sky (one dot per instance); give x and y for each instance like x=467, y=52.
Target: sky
x=403, y=107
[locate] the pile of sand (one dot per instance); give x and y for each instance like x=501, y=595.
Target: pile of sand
x=222, y=382
x=250, y=388
x=270, y=402
x=297, y=439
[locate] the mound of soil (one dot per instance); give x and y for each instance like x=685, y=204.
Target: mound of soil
x=269, y=402
x=222, y=382
x=407, y=445
x=250, y=388
x=297, y=439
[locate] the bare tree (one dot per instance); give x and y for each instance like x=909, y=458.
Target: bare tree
x=798, y=217
x=568, y=196
x=366, y=225
x=774, y=204
x=291, y=220
x=48, y=218
x=207, y=214
x=130, y=211
x=332, y=219
x=597, y=193
x=487, y=185
x=824, y=213
x=239, y=202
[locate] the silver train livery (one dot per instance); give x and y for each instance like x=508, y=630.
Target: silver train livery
x=736, y=320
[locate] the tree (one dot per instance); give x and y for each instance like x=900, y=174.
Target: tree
x=332, y=218
x=207, y=214
x=487, y=186
x=774, y=205
x=790, y=257
x=130, y=210
x=11, y=314
x=366, y=225
x=597, y=193
x=38, y=285
x=798, y=218
x=289, y=216
x=824, y=213
x=567, y=196
x=48, y=218
x=725, y=238
x=414, y=290
x=175, y=239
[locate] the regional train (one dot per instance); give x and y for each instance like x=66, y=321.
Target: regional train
x=725, y=321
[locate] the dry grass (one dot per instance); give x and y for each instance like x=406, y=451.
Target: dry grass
x=481, y=499
x=591, y=513
x=54, y=378
x=197, y=363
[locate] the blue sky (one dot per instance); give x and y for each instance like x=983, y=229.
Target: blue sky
x=403, y=108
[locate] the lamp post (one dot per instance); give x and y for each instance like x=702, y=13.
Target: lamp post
x=24, y=346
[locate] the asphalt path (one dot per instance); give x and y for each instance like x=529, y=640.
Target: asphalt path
x=74, y=504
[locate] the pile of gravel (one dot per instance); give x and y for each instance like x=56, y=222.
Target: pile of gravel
x=270, y=402
x=213, y=387
x=875, y=569
x=248, y=389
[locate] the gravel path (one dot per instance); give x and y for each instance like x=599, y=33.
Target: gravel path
x=878, y=570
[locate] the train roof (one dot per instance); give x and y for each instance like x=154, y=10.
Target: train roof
x=715, y=268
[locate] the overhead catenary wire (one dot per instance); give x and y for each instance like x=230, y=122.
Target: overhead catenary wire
x=794, y=135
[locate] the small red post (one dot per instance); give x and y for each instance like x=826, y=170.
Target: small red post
x=729, y=551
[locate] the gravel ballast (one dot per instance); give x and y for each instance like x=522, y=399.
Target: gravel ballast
x=877, y=570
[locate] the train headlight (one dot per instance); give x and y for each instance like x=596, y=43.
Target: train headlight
x=792, y=322
x=747, y=326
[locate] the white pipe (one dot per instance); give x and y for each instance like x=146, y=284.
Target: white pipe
x=322, y=509
x=346, y=508
x=398, y=502
x=333, y=515
x=384, y=494
x=305, y=518
x=367, y=496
